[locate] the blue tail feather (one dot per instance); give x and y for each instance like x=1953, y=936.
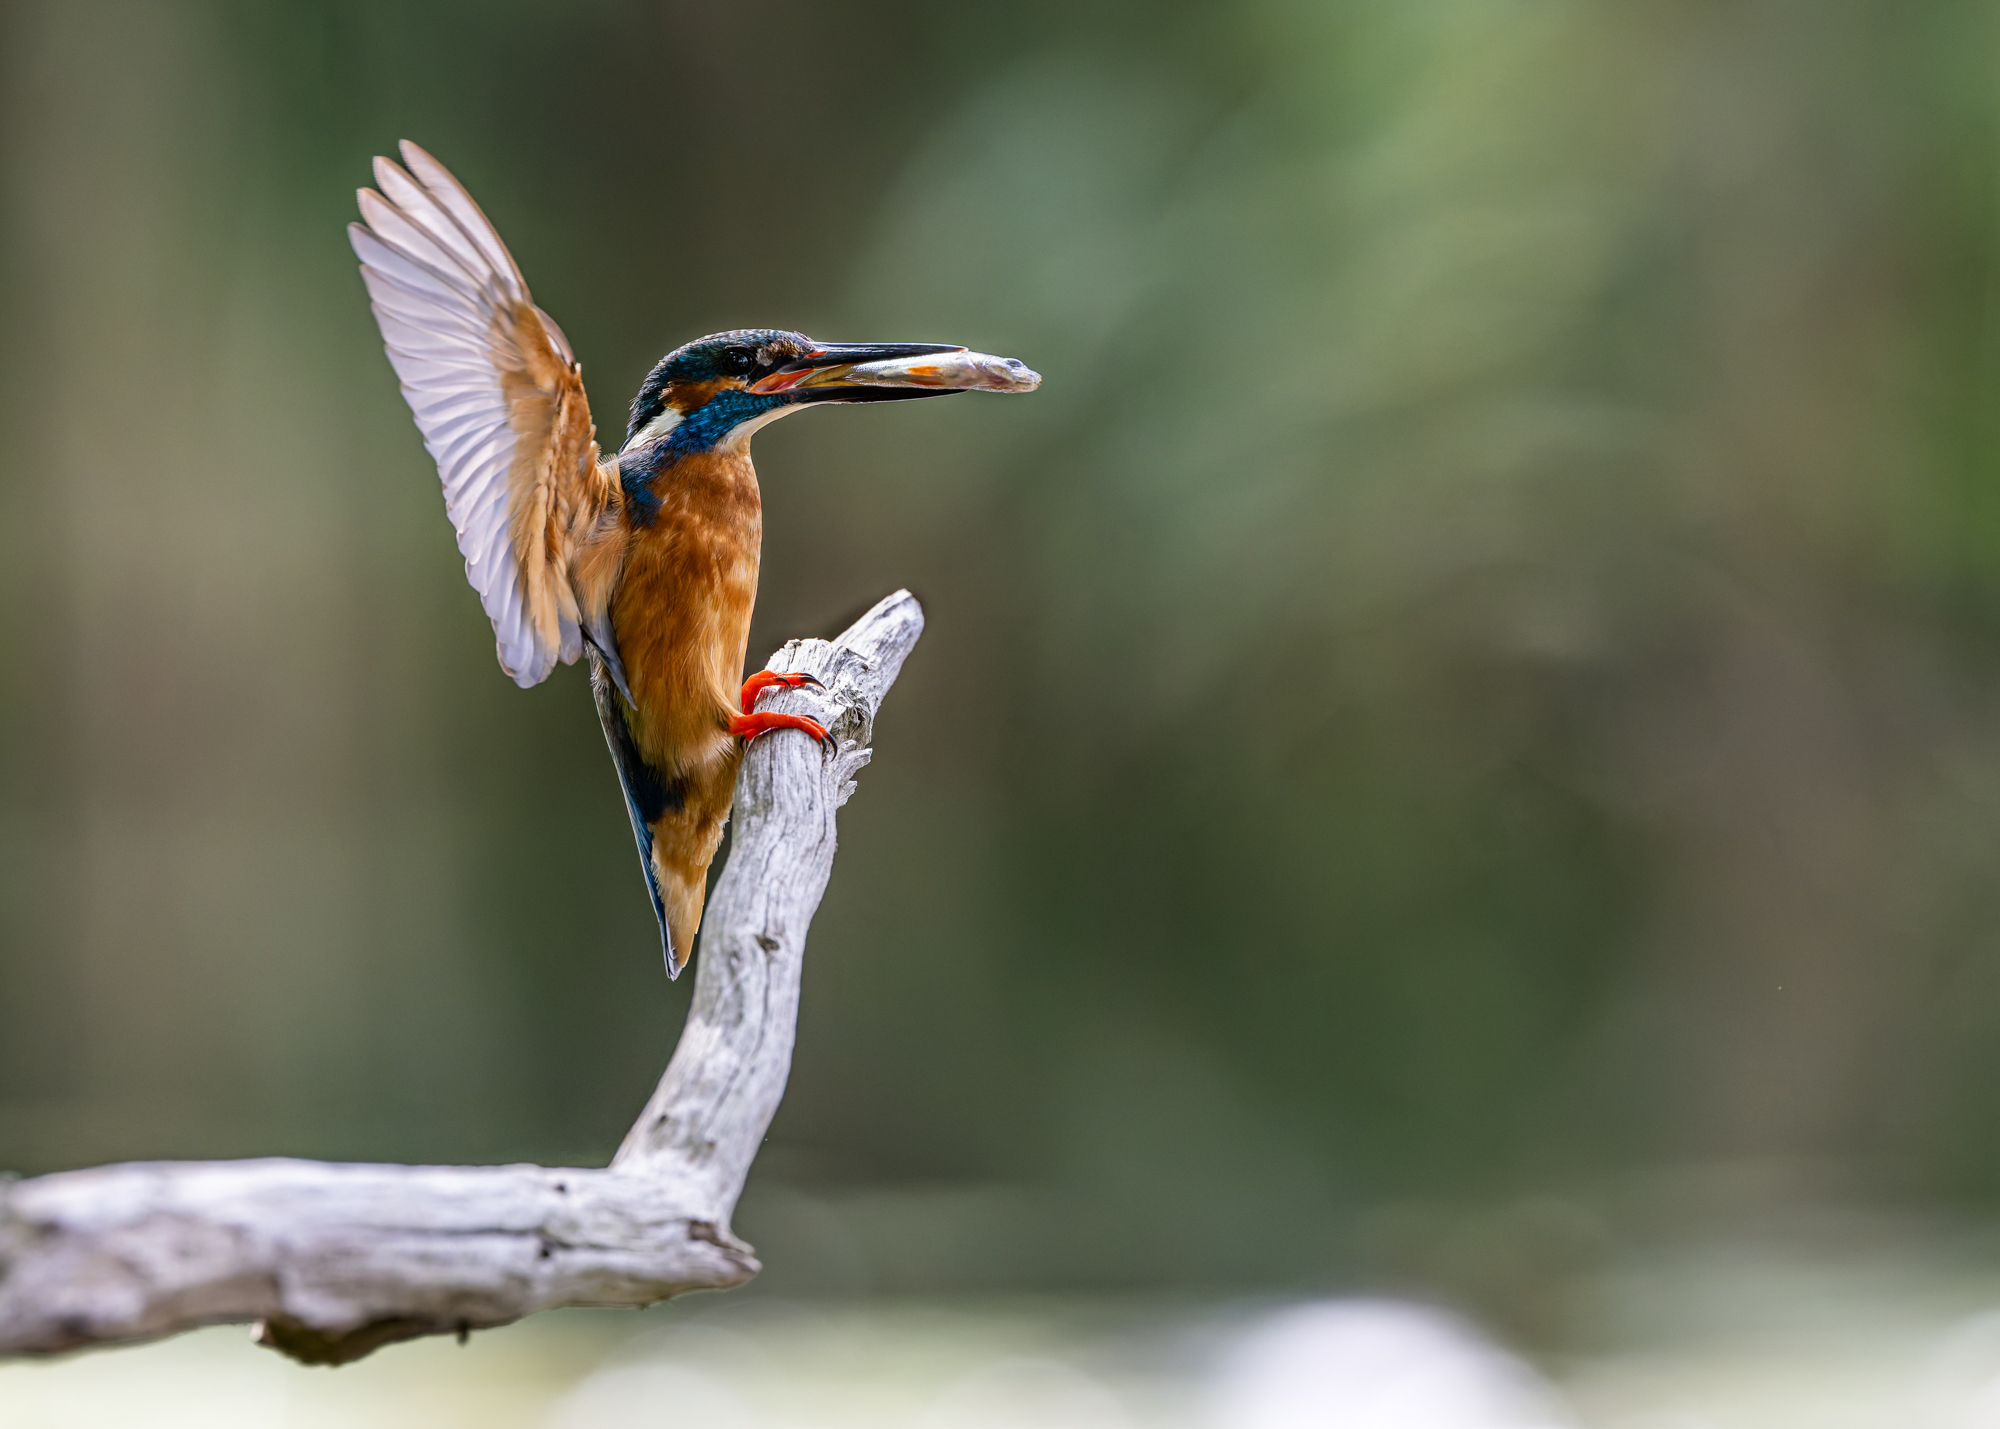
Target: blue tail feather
x=648, y=793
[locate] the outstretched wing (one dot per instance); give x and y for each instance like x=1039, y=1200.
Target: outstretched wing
x=499, y=399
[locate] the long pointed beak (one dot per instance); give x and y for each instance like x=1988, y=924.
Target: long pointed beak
x=859, y=372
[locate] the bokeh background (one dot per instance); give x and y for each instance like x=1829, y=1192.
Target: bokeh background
x=1459, y=733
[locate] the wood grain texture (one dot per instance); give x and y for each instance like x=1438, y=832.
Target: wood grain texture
x=334, y=1261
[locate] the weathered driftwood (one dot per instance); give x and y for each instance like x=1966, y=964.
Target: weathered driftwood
x=335, y=1261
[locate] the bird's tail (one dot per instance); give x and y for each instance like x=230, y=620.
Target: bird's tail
x=649, y=795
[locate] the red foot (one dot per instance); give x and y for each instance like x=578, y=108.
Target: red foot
x=765, y=679
x=749, y=726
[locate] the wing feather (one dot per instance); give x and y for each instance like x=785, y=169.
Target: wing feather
x=451, y=196
x=462, y=399
x=470, y=452
x=421, y=280
x=419, y=303
x=384, y=218
x=410, y=198
x=447, y=429
x=498, y=397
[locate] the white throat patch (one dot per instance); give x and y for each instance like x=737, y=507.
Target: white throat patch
x=740, y=433
x=669, y=418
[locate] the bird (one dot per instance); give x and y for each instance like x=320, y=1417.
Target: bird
x=645, y=559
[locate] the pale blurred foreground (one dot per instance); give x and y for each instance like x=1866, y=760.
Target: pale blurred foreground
x=1750, y=1335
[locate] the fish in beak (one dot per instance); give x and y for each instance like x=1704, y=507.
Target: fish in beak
x=880, y=372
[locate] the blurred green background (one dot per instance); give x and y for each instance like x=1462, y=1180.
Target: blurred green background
x=1464, y=719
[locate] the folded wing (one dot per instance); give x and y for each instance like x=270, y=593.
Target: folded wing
x=499, y=399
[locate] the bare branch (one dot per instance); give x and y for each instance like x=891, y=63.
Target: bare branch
x=337, y=1260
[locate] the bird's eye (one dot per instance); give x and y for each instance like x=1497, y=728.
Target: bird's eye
x=736, y=361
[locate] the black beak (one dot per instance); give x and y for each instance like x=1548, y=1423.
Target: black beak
x=890, y=371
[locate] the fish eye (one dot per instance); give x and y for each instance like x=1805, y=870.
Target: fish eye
x=735, y=361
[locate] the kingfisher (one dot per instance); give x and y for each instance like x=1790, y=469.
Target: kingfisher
x=645, y=560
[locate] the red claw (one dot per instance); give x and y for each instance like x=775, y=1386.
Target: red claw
x=767, y=679
x=751, y=723
x=749, y=726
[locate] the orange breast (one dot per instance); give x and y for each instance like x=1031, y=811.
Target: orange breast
x=681, y=611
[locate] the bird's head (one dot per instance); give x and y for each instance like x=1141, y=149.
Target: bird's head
x=716, y=391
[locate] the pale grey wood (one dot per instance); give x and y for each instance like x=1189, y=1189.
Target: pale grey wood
x=336, y=1260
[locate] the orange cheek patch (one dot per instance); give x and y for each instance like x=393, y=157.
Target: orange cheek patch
x=693, y=396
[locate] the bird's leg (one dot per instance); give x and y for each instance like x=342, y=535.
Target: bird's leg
x=752, y=723
x=765, y=679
